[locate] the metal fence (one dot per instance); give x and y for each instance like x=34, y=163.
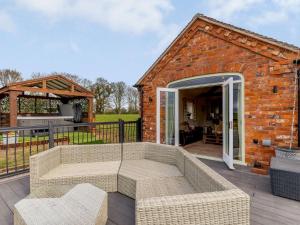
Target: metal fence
x=19, y=143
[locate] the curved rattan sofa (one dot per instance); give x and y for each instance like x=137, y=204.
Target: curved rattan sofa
x=170, y=185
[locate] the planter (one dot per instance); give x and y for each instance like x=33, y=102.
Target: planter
x=287, y=153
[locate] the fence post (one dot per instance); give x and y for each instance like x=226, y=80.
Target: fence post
x=51, y=134
x=139, y=130
x=121, y=131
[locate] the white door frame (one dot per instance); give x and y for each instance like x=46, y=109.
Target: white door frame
x=242, y=141
x=176, y=122
x=228, y=158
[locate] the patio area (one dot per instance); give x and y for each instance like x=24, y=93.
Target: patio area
x=265, y=208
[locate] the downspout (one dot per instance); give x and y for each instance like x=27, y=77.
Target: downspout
x=297, y=62
x=141, y=91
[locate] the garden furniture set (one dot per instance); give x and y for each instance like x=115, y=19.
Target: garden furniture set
x=169, y=185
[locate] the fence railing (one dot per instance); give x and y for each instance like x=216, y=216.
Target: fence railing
x=19, y=143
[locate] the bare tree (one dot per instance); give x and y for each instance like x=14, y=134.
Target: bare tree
x=8, y=76
x=102, y=91
x=132, y=99
x=118, y=96
x=86, y=83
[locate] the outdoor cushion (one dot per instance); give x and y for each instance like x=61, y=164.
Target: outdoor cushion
x=96, y=173
x=83, y=205
x=133, y=170
x=169, y=186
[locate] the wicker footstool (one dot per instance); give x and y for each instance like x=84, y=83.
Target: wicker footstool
x=85, y=204
x=285, y=178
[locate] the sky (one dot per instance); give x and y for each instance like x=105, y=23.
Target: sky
x=120, y=39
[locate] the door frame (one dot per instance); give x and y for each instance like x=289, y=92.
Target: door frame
x=176, y=105
x=242, y=81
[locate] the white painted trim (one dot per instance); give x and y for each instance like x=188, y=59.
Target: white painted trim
x=207, y=75
x=242, y=81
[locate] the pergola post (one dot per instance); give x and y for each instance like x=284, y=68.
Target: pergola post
x=90, y=109
x=13, y=108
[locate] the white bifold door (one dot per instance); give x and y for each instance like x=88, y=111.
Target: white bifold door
x=228, y=122
x=167, y=120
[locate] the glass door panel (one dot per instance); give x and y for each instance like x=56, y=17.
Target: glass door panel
x=228, y=122
x=167, y=130
x=237, y=121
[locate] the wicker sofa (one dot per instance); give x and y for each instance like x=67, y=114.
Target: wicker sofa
x=170, y=185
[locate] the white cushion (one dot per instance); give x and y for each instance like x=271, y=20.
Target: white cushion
x=80, y=206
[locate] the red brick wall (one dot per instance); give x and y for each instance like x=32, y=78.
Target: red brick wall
x=267, y=114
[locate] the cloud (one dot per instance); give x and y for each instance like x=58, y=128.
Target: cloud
x=253, y=12
x=281, y=12
x=166, y=37
x=133, y=16
x=225, y=10
x=269, y=17
x=6, y=22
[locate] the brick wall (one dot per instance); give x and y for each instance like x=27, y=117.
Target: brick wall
x=205, y=49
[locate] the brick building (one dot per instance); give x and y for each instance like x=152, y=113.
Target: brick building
x=223, y=92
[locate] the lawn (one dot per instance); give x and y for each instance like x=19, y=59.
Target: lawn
x=116, y=117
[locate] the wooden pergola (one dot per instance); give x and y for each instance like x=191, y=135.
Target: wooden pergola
x=59, y=86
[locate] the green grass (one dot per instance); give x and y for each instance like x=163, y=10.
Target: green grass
x=116, y=117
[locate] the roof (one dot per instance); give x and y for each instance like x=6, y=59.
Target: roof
x=56, y=84
x=210, y=20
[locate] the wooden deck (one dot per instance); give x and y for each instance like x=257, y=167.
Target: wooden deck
x=265, y=208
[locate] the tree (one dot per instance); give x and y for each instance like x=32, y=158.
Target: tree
x=8, y=76
x=132, y=99
x=118, y=95
x=102, y=91
x=86, y=83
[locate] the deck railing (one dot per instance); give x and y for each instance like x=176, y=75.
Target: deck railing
x=19, y=143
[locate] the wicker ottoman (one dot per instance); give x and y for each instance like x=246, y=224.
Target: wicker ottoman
x=85, y=204
x=285, y=178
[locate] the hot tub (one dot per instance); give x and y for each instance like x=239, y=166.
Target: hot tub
x=28, y=121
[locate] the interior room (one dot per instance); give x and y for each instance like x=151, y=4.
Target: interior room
x=200, y=116
x=201, y=121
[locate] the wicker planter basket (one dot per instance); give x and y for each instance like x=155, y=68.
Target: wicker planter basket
x=287, y=153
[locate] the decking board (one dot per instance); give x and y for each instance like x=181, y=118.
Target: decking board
x=266, y=209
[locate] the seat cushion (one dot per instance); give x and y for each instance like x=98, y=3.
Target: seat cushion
x=83, y=205
x=143, y=169
x=83, y=169
x=169, y=186
x=100, y=174
x=132, y=171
